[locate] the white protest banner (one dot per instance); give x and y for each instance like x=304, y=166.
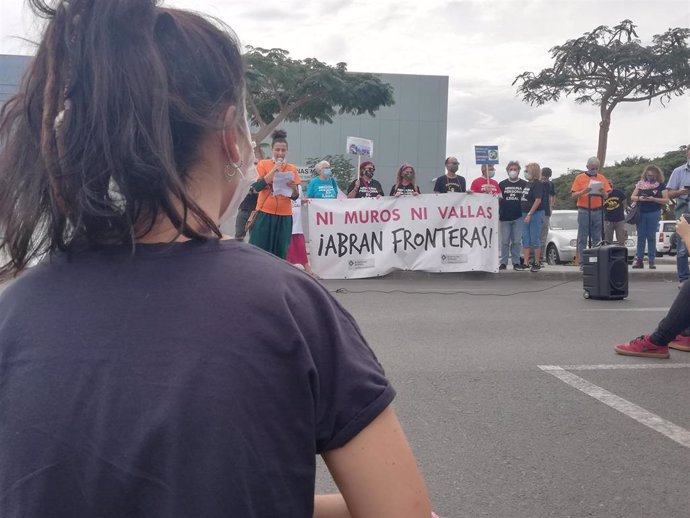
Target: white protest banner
x=366, y=237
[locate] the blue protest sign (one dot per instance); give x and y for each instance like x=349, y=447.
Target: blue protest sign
x=486, y=155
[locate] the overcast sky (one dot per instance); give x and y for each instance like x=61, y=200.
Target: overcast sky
x=480, y=44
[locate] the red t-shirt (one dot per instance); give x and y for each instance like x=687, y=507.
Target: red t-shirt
x=479, y=184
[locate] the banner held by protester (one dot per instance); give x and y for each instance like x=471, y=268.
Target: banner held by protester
x=350, y=239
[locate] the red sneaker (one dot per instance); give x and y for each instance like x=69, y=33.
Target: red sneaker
x=642, y=346
x=680, y=343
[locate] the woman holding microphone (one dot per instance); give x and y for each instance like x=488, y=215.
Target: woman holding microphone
x=272, y=227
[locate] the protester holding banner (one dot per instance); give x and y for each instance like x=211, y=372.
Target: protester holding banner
x=272, y=228
x=510, y=216
x=451, y=181
x=533, y=214
x=405, y=182
x=486, y=183
x=365, y=186
x=323, y=186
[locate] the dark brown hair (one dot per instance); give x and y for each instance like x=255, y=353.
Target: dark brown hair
x=108, y=121
x=277, y=136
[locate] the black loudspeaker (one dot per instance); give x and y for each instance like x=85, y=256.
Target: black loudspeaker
x=605, y=272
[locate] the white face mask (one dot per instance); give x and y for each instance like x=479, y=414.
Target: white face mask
x=513, y=175
x=242, y=179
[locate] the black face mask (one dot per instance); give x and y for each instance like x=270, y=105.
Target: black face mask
x=369, y=174
x=453, y=169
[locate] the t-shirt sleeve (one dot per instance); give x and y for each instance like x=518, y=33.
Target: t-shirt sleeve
x=607, y=185
x=379, y=189
x=438, y=186
x=552, y=189
x=463, y=184
x=418, y=190
x=295, y=175
x=349, y=385
x=392, y=191
x=578, y=184
x=674, y=181
x=311, y=188
x=351, y=186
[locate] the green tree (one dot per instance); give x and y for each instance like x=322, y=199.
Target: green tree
x=343, y=169
x=608, y=67
x=284, y=89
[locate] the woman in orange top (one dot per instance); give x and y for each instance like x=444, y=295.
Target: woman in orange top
x=273, y=226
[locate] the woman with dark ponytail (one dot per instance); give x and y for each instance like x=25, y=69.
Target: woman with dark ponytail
x=143, y=374
x=272, y=228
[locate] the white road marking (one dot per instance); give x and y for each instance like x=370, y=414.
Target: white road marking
x=639, y=414
x=616, y=366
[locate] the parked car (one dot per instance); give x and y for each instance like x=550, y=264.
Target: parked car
x=665, y=241
x=561, y=241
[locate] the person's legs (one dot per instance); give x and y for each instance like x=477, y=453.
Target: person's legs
x=682, y=262
x=536, y=224
x=619, y=227
x=505, y=240
x=641, y=238
x=676, y=320
x=515, y=236
x=525, y=242
x=608, y=231
x=240, y=223
x=595, y=227
x=582, y=233
x=652, y=227
x=544, y=234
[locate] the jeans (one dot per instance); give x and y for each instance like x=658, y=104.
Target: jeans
x=646, y=233
x=619, y=228
x=511, y=231
x=682, y=261
x=240, y=223
x=588, y=224
x=677, y=320
x=544, y=234
x=531, y=232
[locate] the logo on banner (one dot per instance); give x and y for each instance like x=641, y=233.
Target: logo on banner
x=453, y=259
x=362, y=264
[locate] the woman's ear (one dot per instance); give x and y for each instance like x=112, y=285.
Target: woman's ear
x=229, y=136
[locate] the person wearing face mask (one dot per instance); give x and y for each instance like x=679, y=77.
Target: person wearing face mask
x=451, y=181
x=651, y=194
x=589, y=204
x=510, y=217
x=486, y=183
x=365, y=186
x=204, y=375
x=272, y=229
x=405, y=182
x=323, y=186
x=679, y=191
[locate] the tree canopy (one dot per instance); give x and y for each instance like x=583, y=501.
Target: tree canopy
x=610, y=66
x=280, y=88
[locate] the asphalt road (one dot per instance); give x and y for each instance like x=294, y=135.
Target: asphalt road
x=497, y=436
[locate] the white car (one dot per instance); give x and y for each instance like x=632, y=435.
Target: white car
x=665, y=241
x=561, y=241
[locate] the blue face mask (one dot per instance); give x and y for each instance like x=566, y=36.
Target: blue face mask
x=328, y=173
x=651, y=178
x=592, y=172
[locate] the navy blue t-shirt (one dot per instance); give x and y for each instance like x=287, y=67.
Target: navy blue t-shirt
x=185, y=380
